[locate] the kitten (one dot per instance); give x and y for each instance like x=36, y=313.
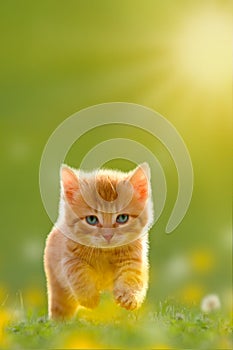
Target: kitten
x=100, y=240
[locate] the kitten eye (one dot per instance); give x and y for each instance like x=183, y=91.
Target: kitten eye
x=92, y=220
x=122, y=218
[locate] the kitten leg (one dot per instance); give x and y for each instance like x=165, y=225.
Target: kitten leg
x=130, y=285
x=61, y=303
x=83, y=282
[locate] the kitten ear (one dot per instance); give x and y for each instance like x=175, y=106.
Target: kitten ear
x=70, y=183
x=140, y=181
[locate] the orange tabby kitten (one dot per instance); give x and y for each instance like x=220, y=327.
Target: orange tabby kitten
x=100, y=240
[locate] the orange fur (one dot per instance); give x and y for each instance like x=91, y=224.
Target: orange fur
x=82, y=260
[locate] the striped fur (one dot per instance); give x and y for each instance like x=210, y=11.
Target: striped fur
x=79, y=263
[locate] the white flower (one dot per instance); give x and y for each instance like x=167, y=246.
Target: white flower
x=210, y=303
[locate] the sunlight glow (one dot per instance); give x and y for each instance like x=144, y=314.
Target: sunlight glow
x=202, y=49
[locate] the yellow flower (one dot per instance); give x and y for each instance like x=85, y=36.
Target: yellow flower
x=191, y=294
x=202, y=260
x=5, y=318
x=78, y=341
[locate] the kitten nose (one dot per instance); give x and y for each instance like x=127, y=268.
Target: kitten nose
x=108, y=236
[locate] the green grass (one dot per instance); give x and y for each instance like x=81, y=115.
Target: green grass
x=167, y=325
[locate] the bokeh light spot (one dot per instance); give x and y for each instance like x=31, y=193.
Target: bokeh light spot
x=202, y=49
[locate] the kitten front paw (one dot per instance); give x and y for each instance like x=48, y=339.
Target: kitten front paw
x=127, y=298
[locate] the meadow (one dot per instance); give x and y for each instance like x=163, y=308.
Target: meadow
x=171, y=56
x=166, y=325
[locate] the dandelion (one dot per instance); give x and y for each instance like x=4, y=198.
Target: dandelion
x=210, y=303
x=202, y=260
x=5, y=318
x=83, y=341
x=191, y=294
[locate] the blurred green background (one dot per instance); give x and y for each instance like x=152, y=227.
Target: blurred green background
x=58, y=57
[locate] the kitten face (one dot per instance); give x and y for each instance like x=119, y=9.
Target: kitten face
x=105, y=208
